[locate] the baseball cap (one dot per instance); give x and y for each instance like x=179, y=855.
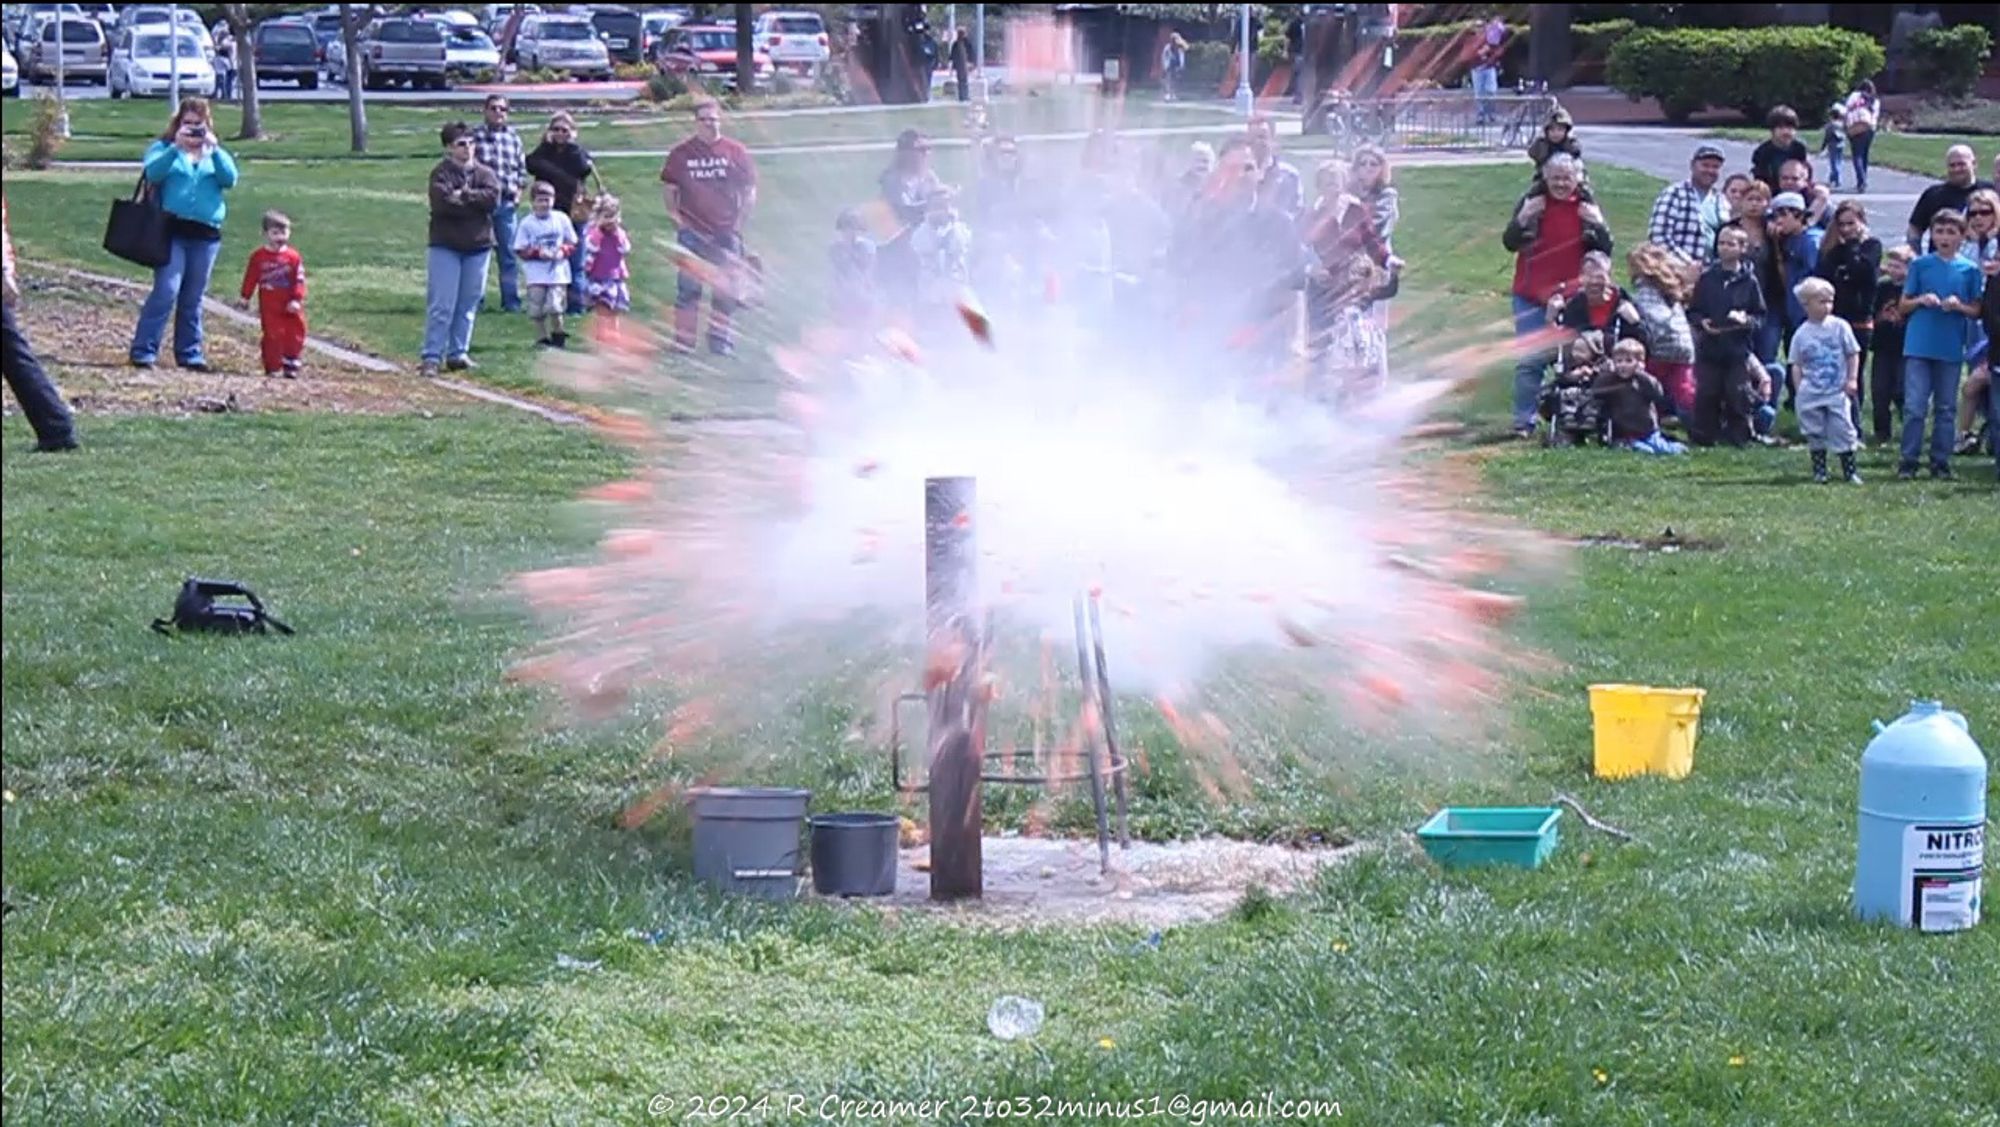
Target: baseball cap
x=1791, y=200
x=1708, y=152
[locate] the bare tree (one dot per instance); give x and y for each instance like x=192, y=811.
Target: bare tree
x=238, y=16
x=746, y=53
x=357, y=109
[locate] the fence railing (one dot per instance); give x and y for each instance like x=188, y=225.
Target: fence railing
x=1432, y=120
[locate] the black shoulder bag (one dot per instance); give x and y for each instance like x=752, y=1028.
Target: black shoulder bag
x=196, y=611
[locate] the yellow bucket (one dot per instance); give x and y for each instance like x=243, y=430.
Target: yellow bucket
x=1644, y=730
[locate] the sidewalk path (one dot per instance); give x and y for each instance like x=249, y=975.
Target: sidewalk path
x=1664, y=152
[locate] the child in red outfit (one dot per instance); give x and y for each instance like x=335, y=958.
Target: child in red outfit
x=278, y=275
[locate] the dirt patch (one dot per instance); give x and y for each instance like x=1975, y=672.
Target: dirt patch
x=1035, y=881
x=82, y=328
x=1667, y=542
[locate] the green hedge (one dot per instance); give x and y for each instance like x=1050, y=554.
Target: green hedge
x=1206, y=64
x=1952, y=59
x=1750, y=70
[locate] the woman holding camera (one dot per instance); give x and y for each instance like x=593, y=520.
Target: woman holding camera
x=188, y=173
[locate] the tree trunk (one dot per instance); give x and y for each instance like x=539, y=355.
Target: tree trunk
x=238, y=17
x=746, y=53
x=357, y=110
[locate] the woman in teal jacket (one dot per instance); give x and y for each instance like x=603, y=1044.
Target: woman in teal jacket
x=188, y=172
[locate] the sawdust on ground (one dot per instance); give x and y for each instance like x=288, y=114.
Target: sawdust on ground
x=81, y=330
x=1040, y=881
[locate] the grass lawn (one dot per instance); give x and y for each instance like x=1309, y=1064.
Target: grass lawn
x=1921, y=153
x=107, y=130
x=329, y=877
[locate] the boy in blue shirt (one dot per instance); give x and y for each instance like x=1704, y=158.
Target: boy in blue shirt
x=1941, y=300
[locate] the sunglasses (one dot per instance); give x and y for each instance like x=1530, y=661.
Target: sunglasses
x=1980, y=211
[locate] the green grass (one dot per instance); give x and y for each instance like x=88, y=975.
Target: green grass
x=328, y=877
x=107, y=130
x=1921, y=153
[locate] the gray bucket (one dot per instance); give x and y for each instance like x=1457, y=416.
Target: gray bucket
x=854, y=854
x=746, y=839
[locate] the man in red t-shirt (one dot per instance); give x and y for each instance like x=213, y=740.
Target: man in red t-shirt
x=710, y=184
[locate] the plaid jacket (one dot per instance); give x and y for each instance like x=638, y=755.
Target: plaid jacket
x=500, y=150
x=1676, y=223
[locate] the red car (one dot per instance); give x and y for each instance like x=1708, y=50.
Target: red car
x=707, y=52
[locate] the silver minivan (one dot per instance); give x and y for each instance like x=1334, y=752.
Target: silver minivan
x=565, y=43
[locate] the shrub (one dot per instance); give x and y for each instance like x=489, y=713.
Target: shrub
x=1449, y=47
x=663, y=86
x=1207, y=62
x=1951, y=59
x=1750, y=70
x=633, y=72
x=45, y=139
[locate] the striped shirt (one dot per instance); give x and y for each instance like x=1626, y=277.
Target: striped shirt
x=499, y=148
x=1677, y=221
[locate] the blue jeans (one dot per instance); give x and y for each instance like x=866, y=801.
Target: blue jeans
x=577, y=304
x=1529, y=317
x=1860, y=146
x=1930, y=387
x=178, y=288
x=1485, y=84
x=454, y=281
x=503, y=253
x=1833, y=156
x=1654, y=443
x=1993, y=421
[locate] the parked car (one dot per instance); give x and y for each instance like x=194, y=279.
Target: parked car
x=141, y=68
x=188, y=20
x=106, y=15
x=469, y=51
x=17, y=19
x=84, y=50
x=796, y=41
x=654, y=26
x=326, y=29
x=708, y=51
x=398, y=49
x=623, y=32
x=565, y=43
x=10, y=73
x=453, y=17
x=287, y=49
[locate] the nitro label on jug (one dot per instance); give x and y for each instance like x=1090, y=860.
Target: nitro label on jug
x=1942, y=866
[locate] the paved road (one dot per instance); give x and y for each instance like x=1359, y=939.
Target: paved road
x=1664, y=152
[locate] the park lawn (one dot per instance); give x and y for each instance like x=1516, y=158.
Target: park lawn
x=335, y=871
x=1921, y=153
x=107, y=130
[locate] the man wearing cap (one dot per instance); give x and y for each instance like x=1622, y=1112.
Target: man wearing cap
x=498, y=147
x=1797, y=176
x=1794, y=253
x=709, y=184
x=1677, y=214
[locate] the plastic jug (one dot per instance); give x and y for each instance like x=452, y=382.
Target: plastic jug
x=1923, y=822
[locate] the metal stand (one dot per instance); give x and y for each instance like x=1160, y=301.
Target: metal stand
x=1106, y=763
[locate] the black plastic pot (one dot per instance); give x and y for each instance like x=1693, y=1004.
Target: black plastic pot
x=854, y=854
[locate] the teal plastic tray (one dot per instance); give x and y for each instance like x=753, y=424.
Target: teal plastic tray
x=1460, y=837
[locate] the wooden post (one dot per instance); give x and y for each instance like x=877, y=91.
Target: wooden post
x=953, y=641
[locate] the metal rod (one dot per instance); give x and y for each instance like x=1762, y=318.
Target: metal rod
x=956, y=751
x=1245, y=100
x=1090, y=744
x=1107, y=710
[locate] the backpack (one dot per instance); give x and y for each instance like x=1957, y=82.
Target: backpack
x=1860, y=117
x=196, y=611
